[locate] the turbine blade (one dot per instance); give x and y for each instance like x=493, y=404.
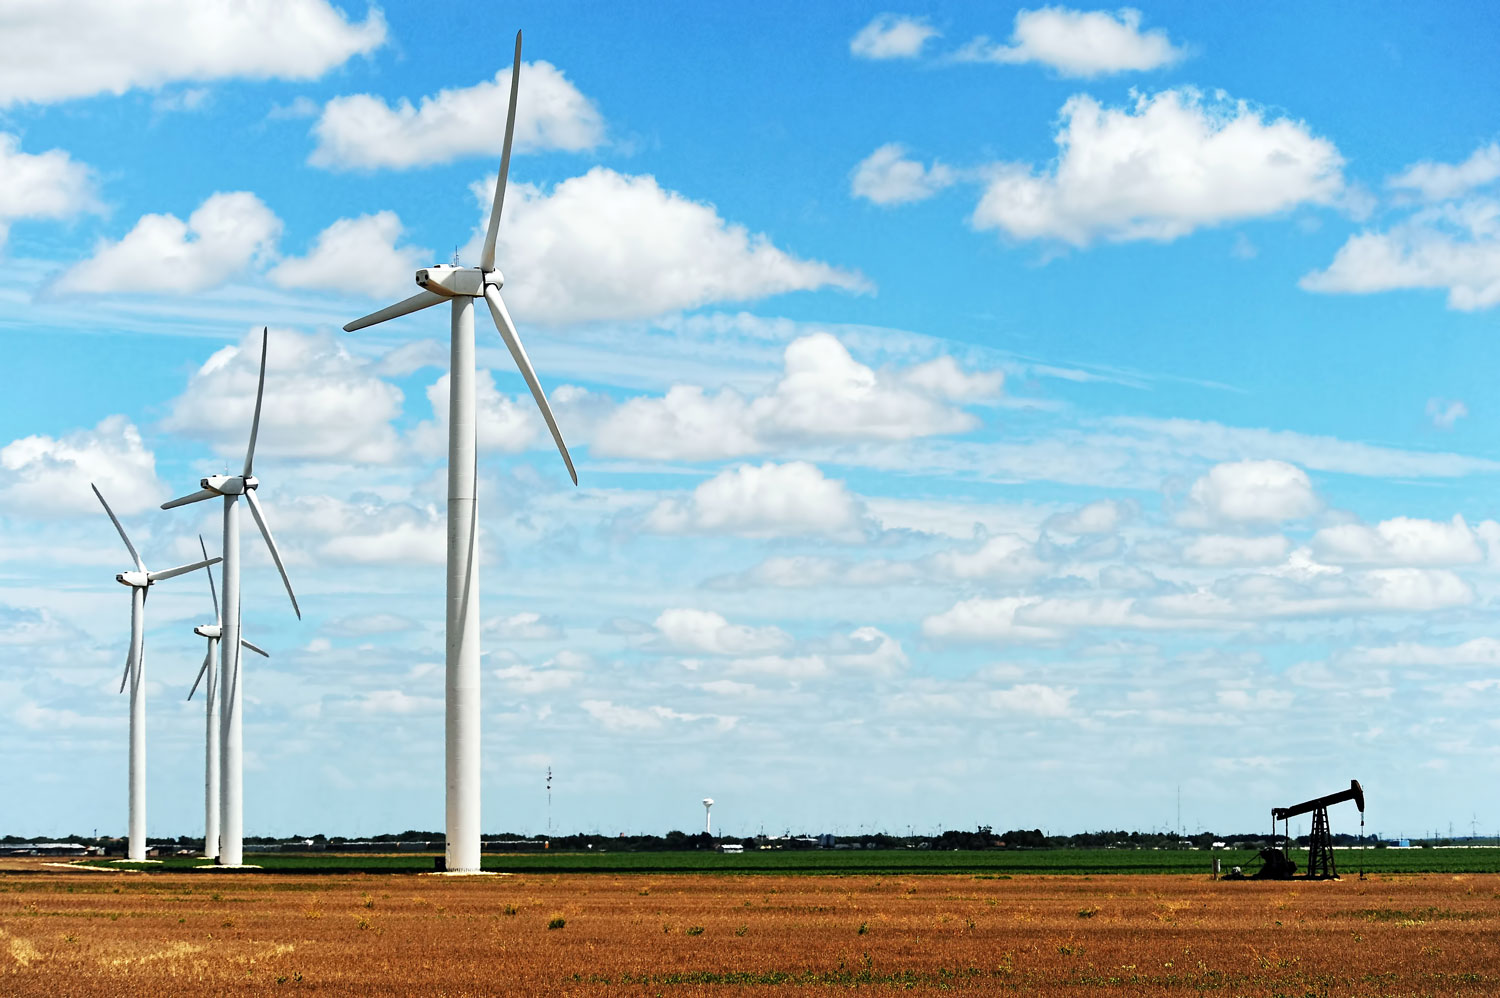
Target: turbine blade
x=172, y=573
x=259, y=651
x=260, y=391
x=265, y=531
x=487, y=258
x=201, y=673
x=212, y=592
x=116, y=521
x=129, y=662
x=198, y=496
x=507, y=330
x=417, y=302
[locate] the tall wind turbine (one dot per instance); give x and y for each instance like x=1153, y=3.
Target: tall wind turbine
x=211, y=711
x=139, y=581
x=460, y=286
x=231, y=692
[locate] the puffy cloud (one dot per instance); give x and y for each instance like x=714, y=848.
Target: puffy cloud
x=51, y=52
x=1401, y=540
x=1033, y=700
x=163, y=253
x=886, y=176
x=362, y=131
x=1250, y=492
x=558, y=673
x=771, y=500
x=703, y=632
x=1445, y=413
x=395, y=702
x=355, y=256
x=1441, y=181
x=1102, y=516
x=311, y=381
x=1171, y=164
x=365, y=532
x=41, y=185
x=623, y=719
x=864, y=652
x=892, y=36
x=610, y=246
x=1079, y=43
x=824, y=394
x=526, y=626
x=1005, y=558
x=505, y=424
x=1455, y=247
x=1218, y=550
x=47, y=476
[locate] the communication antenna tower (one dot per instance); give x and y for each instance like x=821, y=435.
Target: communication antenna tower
x=549, y=803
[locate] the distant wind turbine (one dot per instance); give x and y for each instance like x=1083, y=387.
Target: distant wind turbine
x=139, y=581
x=460, y=286
x=212, y=709
x=231, y=692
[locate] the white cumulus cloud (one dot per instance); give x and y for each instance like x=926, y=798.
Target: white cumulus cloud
x=703, y=632
x=769, y=500
x=1079, y=42
x=362, y=131
x=49, y=476
x=892, y=36
x=51, y=52
x=355, y=256
x=610, y=246
x=311, y=382
x=1441, y=181
x=887, y=176
x=1172, y=163
x=50, y=184
x=1401, y=540
x=162, y=253
x=1250, y=492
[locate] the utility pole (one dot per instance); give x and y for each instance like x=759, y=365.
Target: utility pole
x=549, y=804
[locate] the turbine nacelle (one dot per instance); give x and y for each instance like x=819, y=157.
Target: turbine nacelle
x=140, y=580
x=213, y=631
x=229, y=485
x=453, y=282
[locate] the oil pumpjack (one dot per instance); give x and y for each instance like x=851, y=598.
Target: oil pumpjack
x=1277, y=865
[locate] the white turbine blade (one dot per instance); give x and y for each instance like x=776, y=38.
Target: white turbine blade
x=417, y=302
x=198, y=496
x=260, y=391
x=172, y=573
x=129, y=661
x=265, y=531
x=487, y=258
x=259, y=651
x=507, y=330
x=201, y=673
x=115, y=520
x=212, y=593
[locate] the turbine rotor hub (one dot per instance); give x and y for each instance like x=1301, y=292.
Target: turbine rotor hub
x=227, y=485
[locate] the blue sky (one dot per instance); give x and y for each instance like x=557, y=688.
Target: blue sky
x=983, y=415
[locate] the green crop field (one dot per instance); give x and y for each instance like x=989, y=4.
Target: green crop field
x=1075, y=862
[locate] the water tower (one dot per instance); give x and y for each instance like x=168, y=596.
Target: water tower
x=708, y=818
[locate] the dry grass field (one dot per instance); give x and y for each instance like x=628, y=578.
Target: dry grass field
x=66, y=933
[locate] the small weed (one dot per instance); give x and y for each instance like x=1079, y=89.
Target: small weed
x=644, y=892
x=557, y=922
x=863, y=928
x=1087, y=912
x=695, y=930
x=511, y=909
x=228, y=923
x=361, y=922
x=742, y=930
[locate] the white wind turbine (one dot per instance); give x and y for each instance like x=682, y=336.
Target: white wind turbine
x=139, y=581
x=460, y=286
x=211, y=711
x=231, y=692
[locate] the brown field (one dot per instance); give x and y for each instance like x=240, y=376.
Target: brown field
x=74, y=933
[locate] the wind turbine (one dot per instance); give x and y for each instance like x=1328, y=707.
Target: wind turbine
x=230, y=692
x=211, y=711
x=460, y=286
x=139, y=581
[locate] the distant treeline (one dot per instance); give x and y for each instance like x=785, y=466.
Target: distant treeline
x=981, y=838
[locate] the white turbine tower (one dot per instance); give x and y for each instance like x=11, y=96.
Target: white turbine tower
x=460, y=286
x=139, y=581
x=231, y=692
x=708, y=819
x=211, y=712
